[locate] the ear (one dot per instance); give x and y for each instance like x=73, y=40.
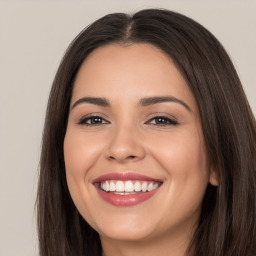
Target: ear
x=214, y=178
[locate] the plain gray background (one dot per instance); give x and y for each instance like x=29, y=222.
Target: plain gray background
x=33, y=38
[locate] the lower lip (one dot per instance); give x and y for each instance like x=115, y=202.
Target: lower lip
x=126, y=200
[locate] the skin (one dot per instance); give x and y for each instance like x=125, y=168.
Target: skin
x=129, y=139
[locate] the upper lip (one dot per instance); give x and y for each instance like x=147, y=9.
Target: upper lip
x=124, y=176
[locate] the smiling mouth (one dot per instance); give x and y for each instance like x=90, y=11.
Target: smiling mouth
x=126, y=189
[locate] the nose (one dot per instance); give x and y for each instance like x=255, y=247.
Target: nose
x=125, y=145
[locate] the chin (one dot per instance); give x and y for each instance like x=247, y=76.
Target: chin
x=126, y=232
x=125, y=235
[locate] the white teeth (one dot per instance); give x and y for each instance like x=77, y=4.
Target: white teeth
x=144, y=186
x=126, y=187
x=119, y=186
x=137, y=186
x=112, y=186
x=107, y=186
x=150, y=186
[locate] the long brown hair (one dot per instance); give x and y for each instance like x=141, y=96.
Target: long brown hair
x=227, y=226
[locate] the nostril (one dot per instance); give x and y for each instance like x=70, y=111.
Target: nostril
x=128, y=157
x=122, y=158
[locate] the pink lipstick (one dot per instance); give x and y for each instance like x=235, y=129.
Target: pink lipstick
x=126, y=189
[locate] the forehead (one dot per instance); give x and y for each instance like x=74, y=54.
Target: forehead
x=141, y=70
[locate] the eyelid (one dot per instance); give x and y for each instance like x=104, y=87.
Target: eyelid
x=81, y=121
x=171, y=119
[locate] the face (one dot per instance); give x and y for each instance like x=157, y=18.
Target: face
x=135, y=158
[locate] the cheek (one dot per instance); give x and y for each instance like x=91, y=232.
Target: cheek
x=80, y=152
x=79, y=155
x=183, y=157
x=182, y=152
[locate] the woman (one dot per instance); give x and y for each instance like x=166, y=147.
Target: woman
x=149, y=145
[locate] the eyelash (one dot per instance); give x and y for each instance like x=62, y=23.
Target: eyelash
x=163, y=121
x=167, y=121
x=84, y=120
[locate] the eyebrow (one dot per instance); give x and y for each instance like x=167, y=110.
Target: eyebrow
x=103, y=102
x=92, y=100
x=155, y=100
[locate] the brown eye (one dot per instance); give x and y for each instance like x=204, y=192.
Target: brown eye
x=92, y=120
x=162, y=121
